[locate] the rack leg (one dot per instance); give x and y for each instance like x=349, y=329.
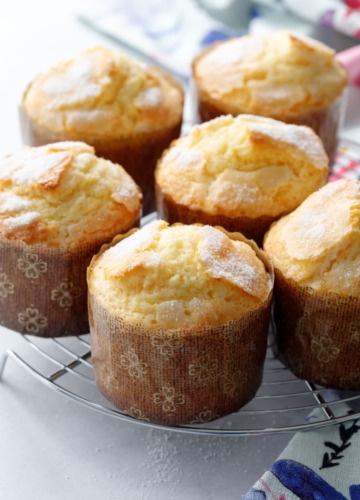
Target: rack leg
x=3, y=358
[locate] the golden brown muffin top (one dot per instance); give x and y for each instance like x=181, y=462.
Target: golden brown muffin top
x=245, y=166
x=62, y=195
x=277, y=75
x=318, y=245
x=179, y=277
x=101, y=93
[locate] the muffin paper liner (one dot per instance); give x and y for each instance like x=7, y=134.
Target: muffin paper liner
x=183, y=376
x=138, y=154
x=326, y=122
x=43, y=290
x=317, y=334
x=252, y=228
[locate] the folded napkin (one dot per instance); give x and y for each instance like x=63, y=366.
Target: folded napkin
x=323, y=464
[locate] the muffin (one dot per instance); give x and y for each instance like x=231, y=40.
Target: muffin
x=280, y=76
x=316, y=255
x=179, y=318
x=241, y=173
x=58, y=204
x=129, y=112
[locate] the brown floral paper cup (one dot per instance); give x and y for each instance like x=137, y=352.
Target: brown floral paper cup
x=43, y=290
x=138, y=154
x=184, y=376
x=318, y=334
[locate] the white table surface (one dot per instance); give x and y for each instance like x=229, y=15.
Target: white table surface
x=51, y=447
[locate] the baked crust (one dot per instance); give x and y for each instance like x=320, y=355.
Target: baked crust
x=172, y=276
x=103, y=94
x=280, y=76
x=62, y=195
x=242, y=172
x=318, y=245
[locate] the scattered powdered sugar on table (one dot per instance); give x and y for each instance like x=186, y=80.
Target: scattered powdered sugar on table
x=165, y=455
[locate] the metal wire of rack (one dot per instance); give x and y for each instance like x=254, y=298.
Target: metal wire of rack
x=283, y=403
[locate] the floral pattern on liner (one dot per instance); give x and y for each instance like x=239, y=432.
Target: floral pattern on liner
x=234, y=382
x=351, y=380
x=320, y=330
x=204, y=369
x=6, y=286
x=166, y=344
x=168, y=399
x=325, y=349
x=205, y=417
x=133, y=365
x=136, y=413
x=32, y=266
x=51, y=280
x=65, y=294
x=108, y=378
x=32, y=320
x=355, y=332
x=231, y=336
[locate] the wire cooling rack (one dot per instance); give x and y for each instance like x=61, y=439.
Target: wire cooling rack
x=283, y=403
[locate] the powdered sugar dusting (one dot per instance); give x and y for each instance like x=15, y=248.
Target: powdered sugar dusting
x=312, y=230
x=77, y=75
x=127, y=195
x=85, y=116
x=80, y=95
x=301, y=137
x=184, y=158
x=149, y=98
x=34, y=169
x=77, y=83
x=322, y=222
x=236, y=51
x=222, y=261
x=10, y=202
x=275, y=93
x=170, y=313
x=21, y=220
x=140, y=240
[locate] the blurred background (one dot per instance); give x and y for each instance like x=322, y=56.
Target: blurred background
x=52, y=447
